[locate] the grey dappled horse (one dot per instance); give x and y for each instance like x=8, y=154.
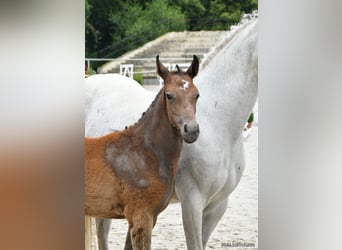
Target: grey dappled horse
x=211, y=168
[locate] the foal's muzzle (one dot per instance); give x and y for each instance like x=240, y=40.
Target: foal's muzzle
x=190, y=132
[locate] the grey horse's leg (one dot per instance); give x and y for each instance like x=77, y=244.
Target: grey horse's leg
x=211, y=216
x=192, y=206
x=102, y=231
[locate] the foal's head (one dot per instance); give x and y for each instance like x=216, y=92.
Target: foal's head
x=181, y=96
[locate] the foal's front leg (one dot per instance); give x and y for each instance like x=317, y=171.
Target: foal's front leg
x=140, y=232
x=128, y=244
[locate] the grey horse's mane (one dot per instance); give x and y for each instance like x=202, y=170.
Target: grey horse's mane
x=234, y=30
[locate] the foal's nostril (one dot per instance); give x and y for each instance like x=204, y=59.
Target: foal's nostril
x=186, y=128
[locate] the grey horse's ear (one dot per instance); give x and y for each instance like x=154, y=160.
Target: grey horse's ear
x=161, y=69
x=193, y=69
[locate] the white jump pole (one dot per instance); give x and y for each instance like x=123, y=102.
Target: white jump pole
x=88, y=223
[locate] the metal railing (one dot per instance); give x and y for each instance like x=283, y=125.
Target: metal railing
x=146, y=59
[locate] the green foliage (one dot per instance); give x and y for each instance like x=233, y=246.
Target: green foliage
x=193, y=10
x=92, y=34
x=251, y=117
x=87, y=9
x=254, y=4
x=138, y=76
x=90, y=71
x=136, y=24
x=150, y=22
x=113, y=27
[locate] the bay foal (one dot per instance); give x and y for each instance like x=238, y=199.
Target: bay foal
x=131, y=173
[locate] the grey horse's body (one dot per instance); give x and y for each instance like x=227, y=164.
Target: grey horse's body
x=211, y=168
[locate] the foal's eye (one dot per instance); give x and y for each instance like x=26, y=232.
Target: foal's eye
x=197, y=96
x=169, y=96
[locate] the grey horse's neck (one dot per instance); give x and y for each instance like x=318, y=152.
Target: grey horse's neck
x=230, y=82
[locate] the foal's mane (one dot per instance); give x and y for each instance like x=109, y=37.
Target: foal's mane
x=151, y=107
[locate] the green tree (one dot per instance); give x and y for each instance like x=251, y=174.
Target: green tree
x=194, y=11
x=92, y=35
x=141, y=24
x=99, y=18
x=113, y=27
x=228, y=12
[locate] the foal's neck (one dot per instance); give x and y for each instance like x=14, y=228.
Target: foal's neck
x=159, y=134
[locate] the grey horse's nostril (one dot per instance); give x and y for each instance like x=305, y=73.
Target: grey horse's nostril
x=186, y=128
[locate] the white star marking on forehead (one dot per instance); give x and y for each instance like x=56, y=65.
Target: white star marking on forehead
x=185, y=85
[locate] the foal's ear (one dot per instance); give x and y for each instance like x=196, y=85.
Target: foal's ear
x=193, y=69
x=161, y=69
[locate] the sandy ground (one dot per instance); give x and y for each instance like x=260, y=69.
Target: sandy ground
x=238, y=228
